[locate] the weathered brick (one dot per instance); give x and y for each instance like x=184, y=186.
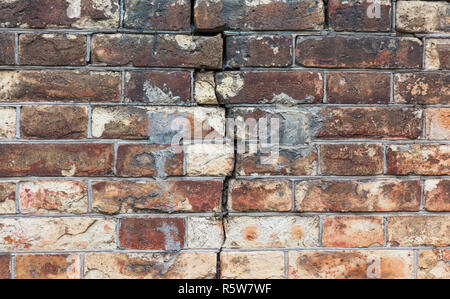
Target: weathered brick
x=50, y=234
x=205, y=88
x=438, y=123
x=163, y=50
x=290, y=161
x=252, y=265
x=152, y=233
x=7, y=122
x=112, y=197
x=60, y=14
x=59, y=85
x=5, y=266
x=271, y=232
x=353, y=231
x=137, y=160
x=158, y=88
x=437, y=54
x=271, y=87
x=41, y=197
x=422, y=88
x=119, y=122
x=259, y=15
x=7, y=198
x=358, y=88
x=404, y=231
x=158, y=14
x=204, y=232
x=55, y=266
x=437, y=195
x=260, y=50
x=352, y=159
x=209, y=159
x=391, y=123
x=422, y=16
x=176, y=265
x=52, y=49
x=7, y=46
x=53, y=122
x=360, y=15
x=259, y=195
x=357, y=196
x=56, y=159
x=433, y=264
x=359, y=52
x=421, y=159
x=387, y=264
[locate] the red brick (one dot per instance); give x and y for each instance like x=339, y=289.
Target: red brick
x=7, y=46
x=357, y=196
x=166, y=196
x=5, y=266
x=60, y=14
x=158, y=88
x=158, y=50
x=39, y=266
x=353, y=15
x=437, y=195
x=152, y=233
x=56, y=159
x=263, y=51
x=158, y=14
x=352, y=159
x=438, y=123
x=359, y=52
x=257, y=15
x=376, y=123
x=7, y=198
x=52, y=49
x=259, y=195
x=53, y=122
x=148, y=160
x=60, y=85
x=433, y=264
x=357, y=231
x=271, y=87
x=422, y=88
x=358, y=88
x=408, y=231
x=420, y=159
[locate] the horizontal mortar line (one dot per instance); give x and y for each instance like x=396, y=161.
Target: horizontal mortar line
x=174, y=214
x=25, y=252
x=112, y=179
x=316, y=214
x=330, y=105
x=96, y=68
x=83, y=31
x=335, y=70
x=349, y=177
x=331, y=33
x=225, y=249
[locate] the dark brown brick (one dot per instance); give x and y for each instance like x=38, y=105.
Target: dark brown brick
x=152, y=233
x=53, y=122
x=420, y=159
x=60, y=13
x=358, y=88
x=359, y=52
x=259, y=15
x=57, y=85
x=158, y=14
x=167, y=196
x=56, y=159
x=55, y=266
x=5, y=266
x=392, y=122
x=7, y=46
x=353, y=15
x=352, y=159
x=422, y=88
x=271, y=87
x=158, y=50
x=158, y=88
x=52, y=49
x=7, y=198
x=148, y=160
x=263, y=51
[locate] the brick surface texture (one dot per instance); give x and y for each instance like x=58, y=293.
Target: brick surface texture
x=118, y=160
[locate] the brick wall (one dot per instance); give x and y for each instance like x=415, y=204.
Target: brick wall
x=90, y=186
